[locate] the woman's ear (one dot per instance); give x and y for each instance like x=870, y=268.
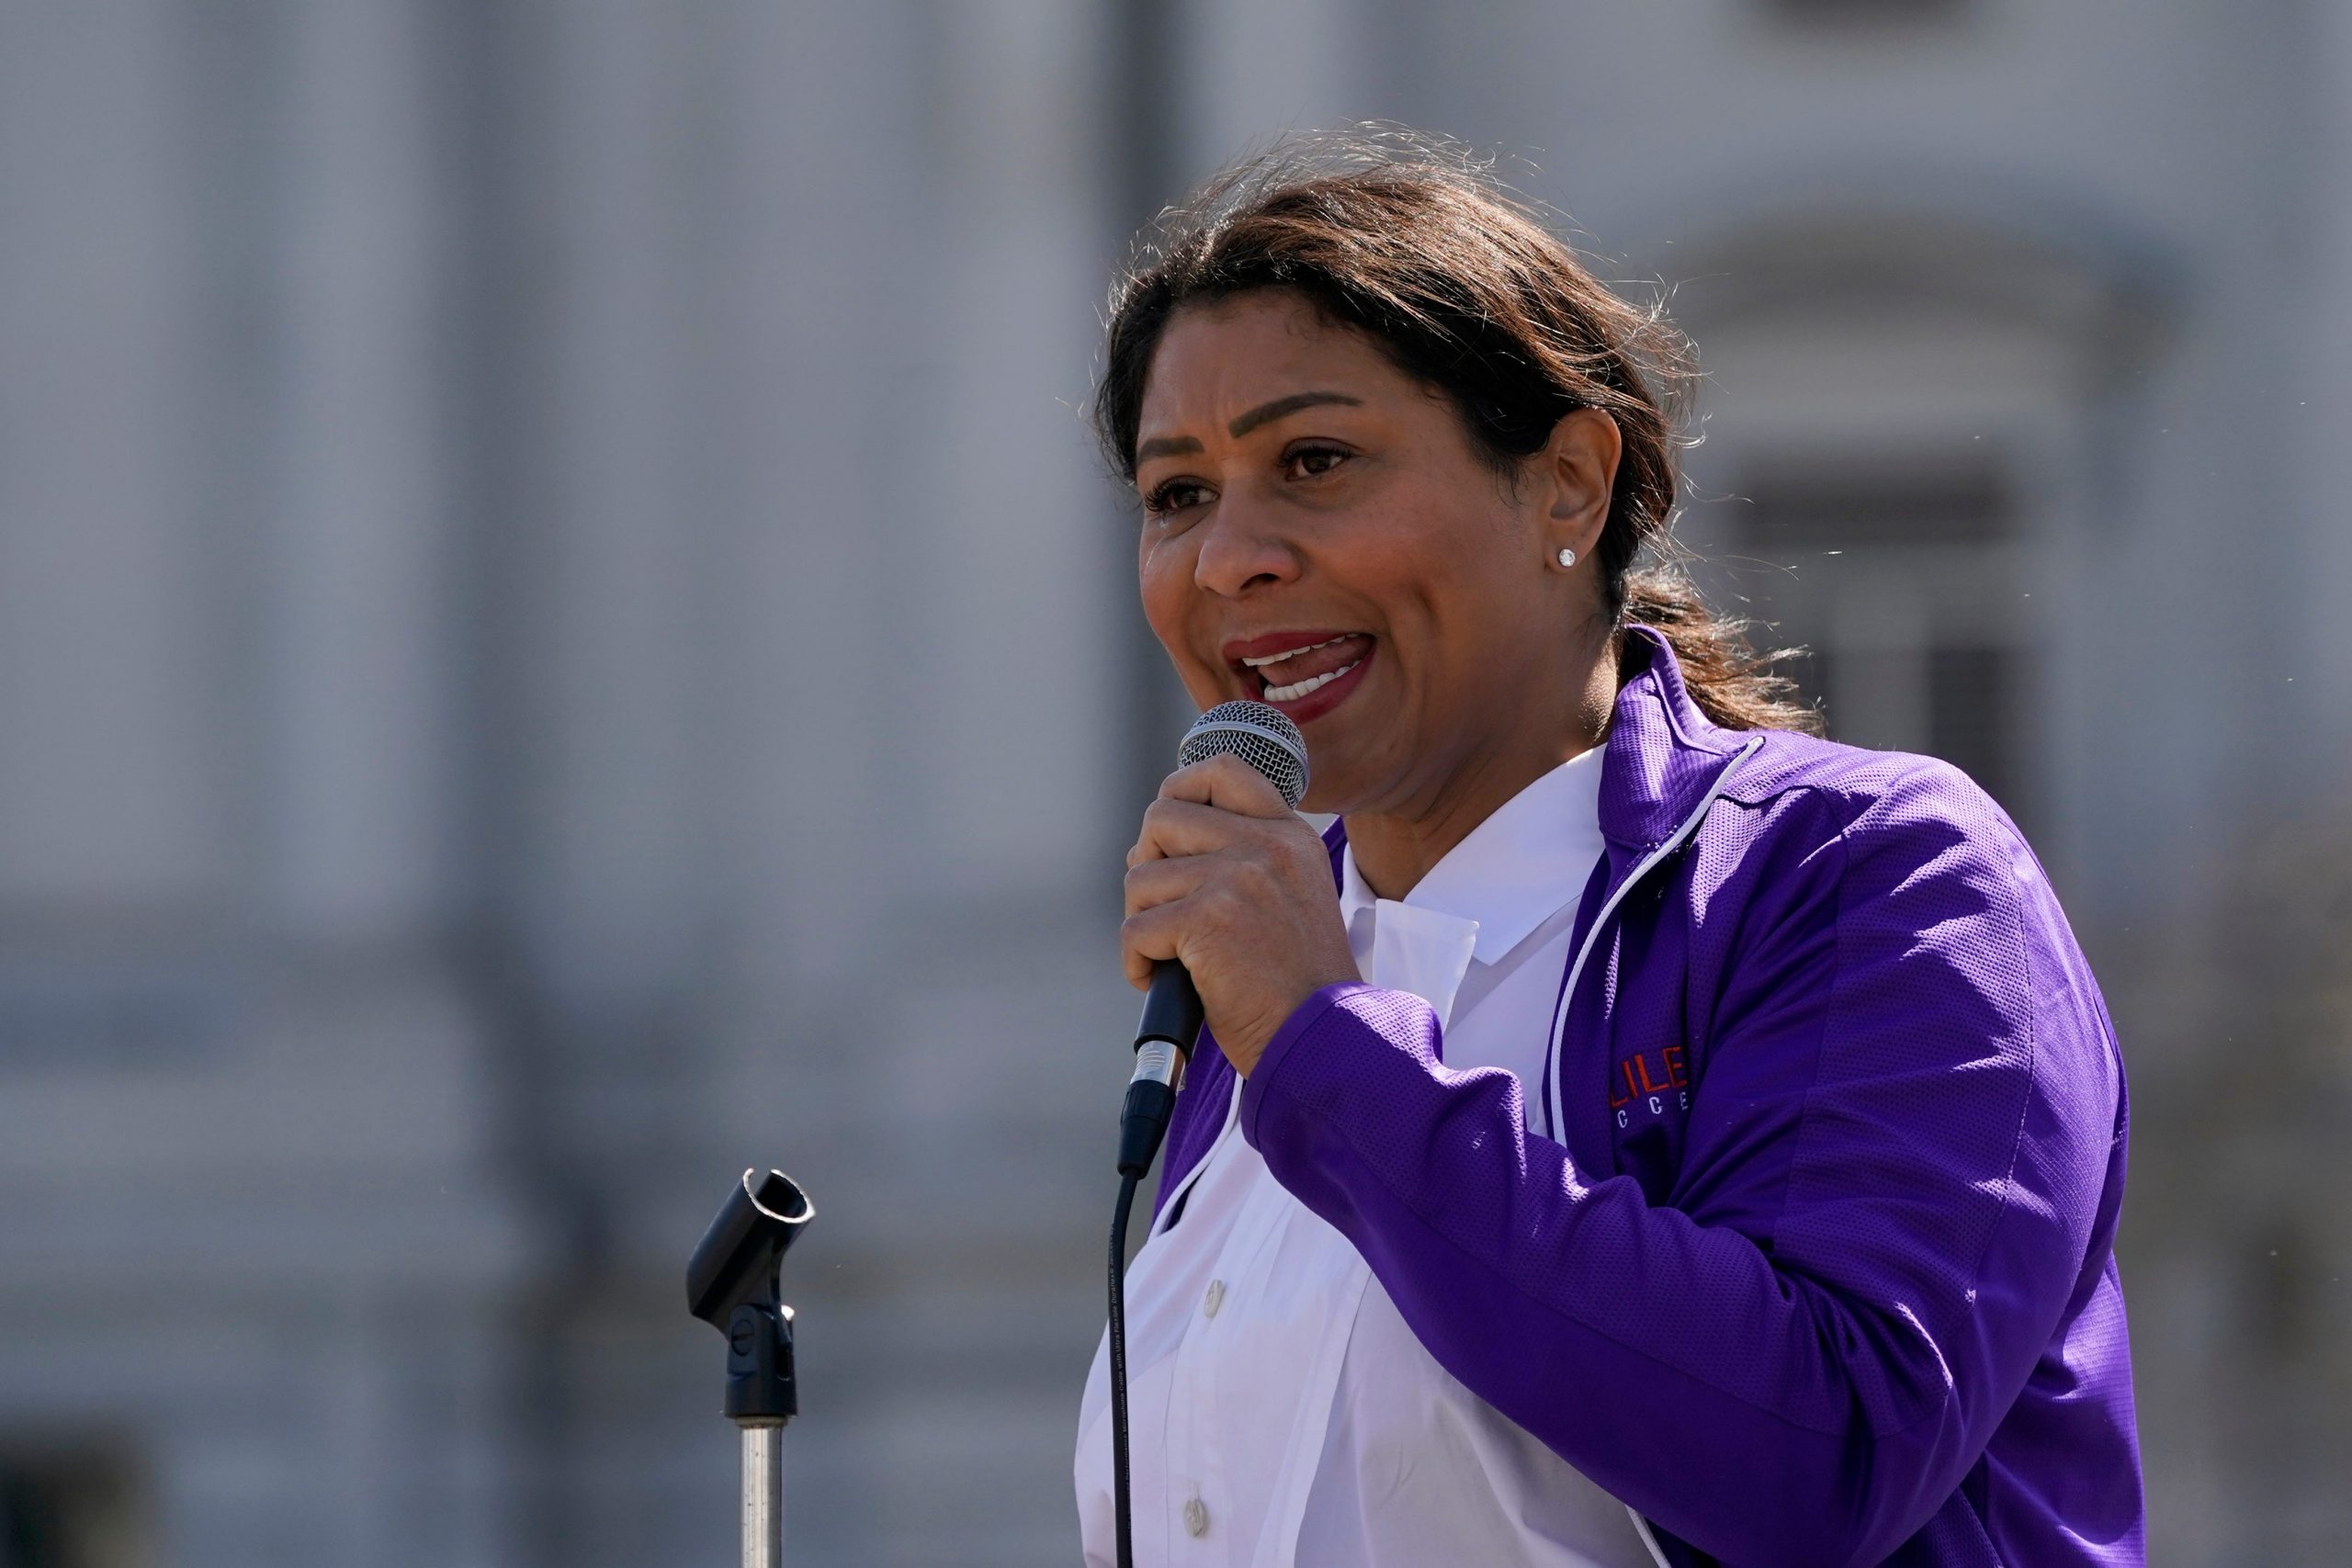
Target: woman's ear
x=1578, y=467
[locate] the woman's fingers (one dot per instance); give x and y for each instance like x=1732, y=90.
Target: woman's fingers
x=1152, y=883
x=1201, y=807
x=1176, y=827
x=1229, y=784
x=1151, y=930
x=1147, y=936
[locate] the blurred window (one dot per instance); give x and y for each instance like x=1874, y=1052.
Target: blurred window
x=1900, y=576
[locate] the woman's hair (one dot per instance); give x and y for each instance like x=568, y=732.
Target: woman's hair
x=1467, y=290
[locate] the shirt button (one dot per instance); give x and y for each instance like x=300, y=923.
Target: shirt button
x=1197, y=1518
x=1209, y=1304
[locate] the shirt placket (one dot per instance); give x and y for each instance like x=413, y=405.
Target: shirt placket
x=1197, y=1406
x=1228, y=1392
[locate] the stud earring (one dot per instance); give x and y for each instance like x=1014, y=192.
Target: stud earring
x=1568, y=556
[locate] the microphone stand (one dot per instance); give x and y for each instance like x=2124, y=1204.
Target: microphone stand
x=733, y=1283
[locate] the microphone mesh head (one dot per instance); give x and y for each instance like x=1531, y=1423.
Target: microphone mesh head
x=1260, y=735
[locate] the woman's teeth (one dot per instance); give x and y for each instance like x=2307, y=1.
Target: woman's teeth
x=1294, y=652
x=1291, y=693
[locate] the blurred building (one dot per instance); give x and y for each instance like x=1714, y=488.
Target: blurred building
x=561, y=636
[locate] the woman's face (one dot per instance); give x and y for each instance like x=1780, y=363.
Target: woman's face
x=1320, y=534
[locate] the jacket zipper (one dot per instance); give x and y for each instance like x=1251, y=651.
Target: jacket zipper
x=1555, y=1110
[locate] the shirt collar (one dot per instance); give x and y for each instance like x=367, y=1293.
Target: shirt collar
x=1516, y=869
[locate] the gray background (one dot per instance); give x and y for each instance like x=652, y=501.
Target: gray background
x=561, y=636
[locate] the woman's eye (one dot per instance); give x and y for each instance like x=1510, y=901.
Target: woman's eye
x=1313, y=460
x=1172, y=495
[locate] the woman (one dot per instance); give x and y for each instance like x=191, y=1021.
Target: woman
x=1641, y=1129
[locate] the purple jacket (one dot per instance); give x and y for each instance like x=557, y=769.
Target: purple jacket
x=1819, y=1270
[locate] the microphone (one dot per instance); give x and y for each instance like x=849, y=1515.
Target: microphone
x=1262, y=736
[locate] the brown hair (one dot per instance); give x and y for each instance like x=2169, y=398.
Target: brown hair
x=1466, y=289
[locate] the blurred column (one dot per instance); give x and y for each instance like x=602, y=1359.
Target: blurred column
x=2324, y=703
x=1012, y=589
x=924, y=690
x=1247, y=69
x=360, y=1131
x=360, y=656
x=814, y=323
x=115, y=768
x=608, y=587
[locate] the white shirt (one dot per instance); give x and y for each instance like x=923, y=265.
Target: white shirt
x=1281, y=1414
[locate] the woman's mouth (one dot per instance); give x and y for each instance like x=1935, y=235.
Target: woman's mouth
x=1310, y=676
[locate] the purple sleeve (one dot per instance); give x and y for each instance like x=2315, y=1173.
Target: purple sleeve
x=1893, y=1164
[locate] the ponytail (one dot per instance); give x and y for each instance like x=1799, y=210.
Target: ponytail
x=1734, y=685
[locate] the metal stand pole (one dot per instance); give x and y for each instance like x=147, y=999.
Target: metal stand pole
x=764, y=1497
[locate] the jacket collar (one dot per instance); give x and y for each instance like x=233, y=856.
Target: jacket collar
x=1661, y=752
x=1659, y=757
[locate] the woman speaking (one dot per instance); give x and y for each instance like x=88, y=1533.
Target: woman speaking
x=1640, y=1131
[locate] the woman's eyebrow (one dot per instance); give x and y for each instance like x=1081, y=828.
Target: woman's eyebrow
x=1173, y=446
x=1166, y=446
x=1281, y=406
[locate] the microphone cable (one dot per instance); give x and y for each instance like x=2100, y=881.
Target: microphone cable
x=1262, y=736
x=1122, y=1508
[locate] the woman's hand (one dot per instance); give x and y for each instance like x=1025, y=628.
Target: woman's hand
x=1235, y=885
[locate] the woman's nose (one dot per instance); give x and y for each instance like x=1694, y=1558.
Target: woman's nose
x=1240, y=550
